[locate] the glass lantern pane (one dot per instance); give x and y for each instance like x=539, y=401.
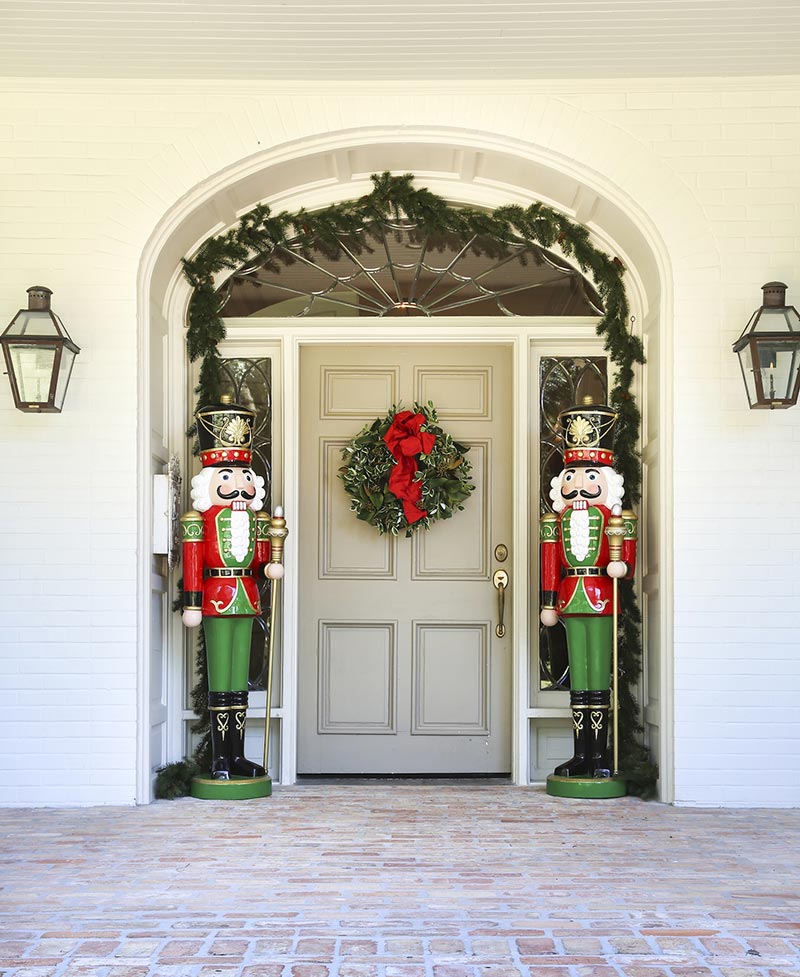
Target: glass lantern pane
x=792, y=319
x=33, y=368
x=783, y=320
x=748, y=374
x=777, y=370
x=64, y=373
x=33, y=323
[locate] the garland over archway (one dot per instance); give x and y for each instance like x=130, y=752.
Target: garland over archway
x=395, y=197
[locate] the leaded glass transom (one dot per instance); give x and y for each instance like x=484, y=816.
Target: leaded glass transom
x=396, y=268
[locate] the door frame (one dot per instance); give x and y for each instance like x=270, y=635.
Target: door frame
x=283, y=339
x=474, y=167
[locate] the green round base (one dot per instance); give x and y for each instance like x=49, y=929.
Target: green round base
x=238, y=789
x=590, y=787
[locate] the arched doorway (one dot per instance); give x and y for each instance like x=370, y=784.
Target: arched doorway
x=613, y=228
x=400, y=666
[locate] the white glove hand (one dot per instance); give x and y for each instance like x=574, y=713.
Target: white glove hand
x=548, y=617
x=273, y=571
x=192, y=617
x=617, y=568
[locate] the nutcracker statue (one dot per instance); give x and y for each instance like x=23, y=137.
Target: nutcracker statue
x=587, y=544
x=226, y=546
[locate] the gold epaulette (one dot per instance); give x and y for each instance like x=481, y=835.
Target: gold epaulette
x=548, y=528
x=631, y=524
x=192, y=527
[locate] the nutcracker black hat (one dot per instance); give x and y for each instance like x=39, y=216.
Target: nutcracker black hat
x=588, y=434
x=225, y=433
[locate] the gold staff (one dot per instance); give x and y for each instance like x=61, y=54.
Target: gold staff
x=276, y=533
x=615, y=531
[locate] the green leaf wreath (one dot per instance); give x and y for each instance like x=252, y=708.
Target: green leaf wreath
x=443, y=474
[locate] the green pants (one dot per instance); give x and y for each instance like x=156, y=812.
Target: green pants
x=228, y=652
x=589, y=641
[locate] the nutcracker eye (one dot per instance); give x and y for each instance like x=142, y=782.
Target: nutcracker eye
x=569, y=475
x=248, y=477
x=591, y=476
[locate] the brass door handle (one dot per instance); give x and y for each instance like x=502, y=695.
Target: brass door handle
x=500, y=581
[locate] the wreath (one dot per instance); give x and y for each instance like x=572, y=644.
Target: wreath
x=403, y=472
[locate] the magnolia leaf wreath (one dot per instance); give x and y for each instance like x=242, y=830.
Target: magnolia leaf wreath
x=403, y=472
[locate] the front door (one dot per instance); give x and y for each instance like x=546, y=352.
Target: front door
x=400, y=666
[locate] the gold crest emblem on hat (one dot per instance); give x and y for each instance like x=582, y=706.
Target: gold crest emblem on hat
x=581, y=432
x=236, y=432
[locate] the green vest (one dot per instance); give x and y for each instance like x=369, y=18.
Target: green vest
x=224, y=535
x=595, y=538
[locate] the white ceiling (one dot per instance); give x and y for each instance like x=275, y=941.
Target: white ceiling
x=308, y=40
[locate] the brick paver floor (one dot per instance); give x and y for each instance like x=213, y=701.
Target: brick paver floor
x=400, y=880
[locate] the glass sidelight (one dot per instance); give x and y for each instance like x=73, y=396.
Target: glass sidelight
x=563, y=382
x=249, y=382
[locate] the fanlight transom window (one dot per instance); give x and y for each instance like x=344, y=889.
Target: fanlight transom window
x=394, y=267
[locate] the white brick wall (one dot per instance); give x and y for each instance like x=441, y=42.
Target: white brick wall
x=87, y=170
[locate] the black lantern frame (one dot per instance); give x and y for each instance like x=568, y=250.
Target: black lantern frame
x=39, y=355
x=769, y=352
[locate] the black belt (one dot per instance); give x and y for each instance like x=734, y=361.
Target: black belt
x=228, y=572
x=586, y=572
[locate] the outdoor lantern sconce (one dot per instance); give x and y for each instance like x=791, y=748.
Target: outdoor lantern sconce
x=39, y=355
x=769, y=351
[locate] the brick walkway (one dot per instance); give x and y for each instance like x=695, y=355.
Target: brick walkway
x=400, y=880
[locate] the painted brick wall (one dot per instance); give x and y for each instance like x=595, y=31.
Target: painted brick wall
x=87, y=170
x=737, y=529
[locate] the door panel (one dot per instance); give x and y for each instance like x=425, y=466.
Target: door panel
x=439, y=651
x=400, y=668
x=357, y=677
x=451, y=553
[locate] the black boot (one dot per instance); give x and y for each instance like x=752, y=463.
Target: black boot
x=219, y=710
x=239, y=764
x=598, y=733
x=578, y=766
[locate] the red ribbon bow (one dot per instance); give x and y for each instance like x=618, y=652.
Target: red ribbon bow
x=405, y=441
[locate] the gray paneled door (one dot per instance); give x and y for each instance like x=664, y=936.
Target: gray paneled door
x=400, y=667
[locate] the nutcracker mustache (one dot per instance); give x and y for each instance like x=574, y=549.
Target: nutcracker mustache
x=572, y=495
x=235, y=494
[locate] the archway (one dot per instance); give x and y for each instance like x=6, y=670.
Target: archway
x=467, y=168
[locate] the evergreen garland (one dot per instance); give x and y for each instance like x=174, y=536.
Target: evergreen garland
x=394, y=197
x=175, y=779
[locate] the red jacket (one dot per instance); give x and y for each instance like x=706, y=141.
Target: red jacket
x=222, y=584
x=578, y=585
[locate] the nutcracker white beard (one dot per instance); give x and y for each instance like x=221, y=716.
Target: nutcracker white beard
x=240, y=533
x=579, y=533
